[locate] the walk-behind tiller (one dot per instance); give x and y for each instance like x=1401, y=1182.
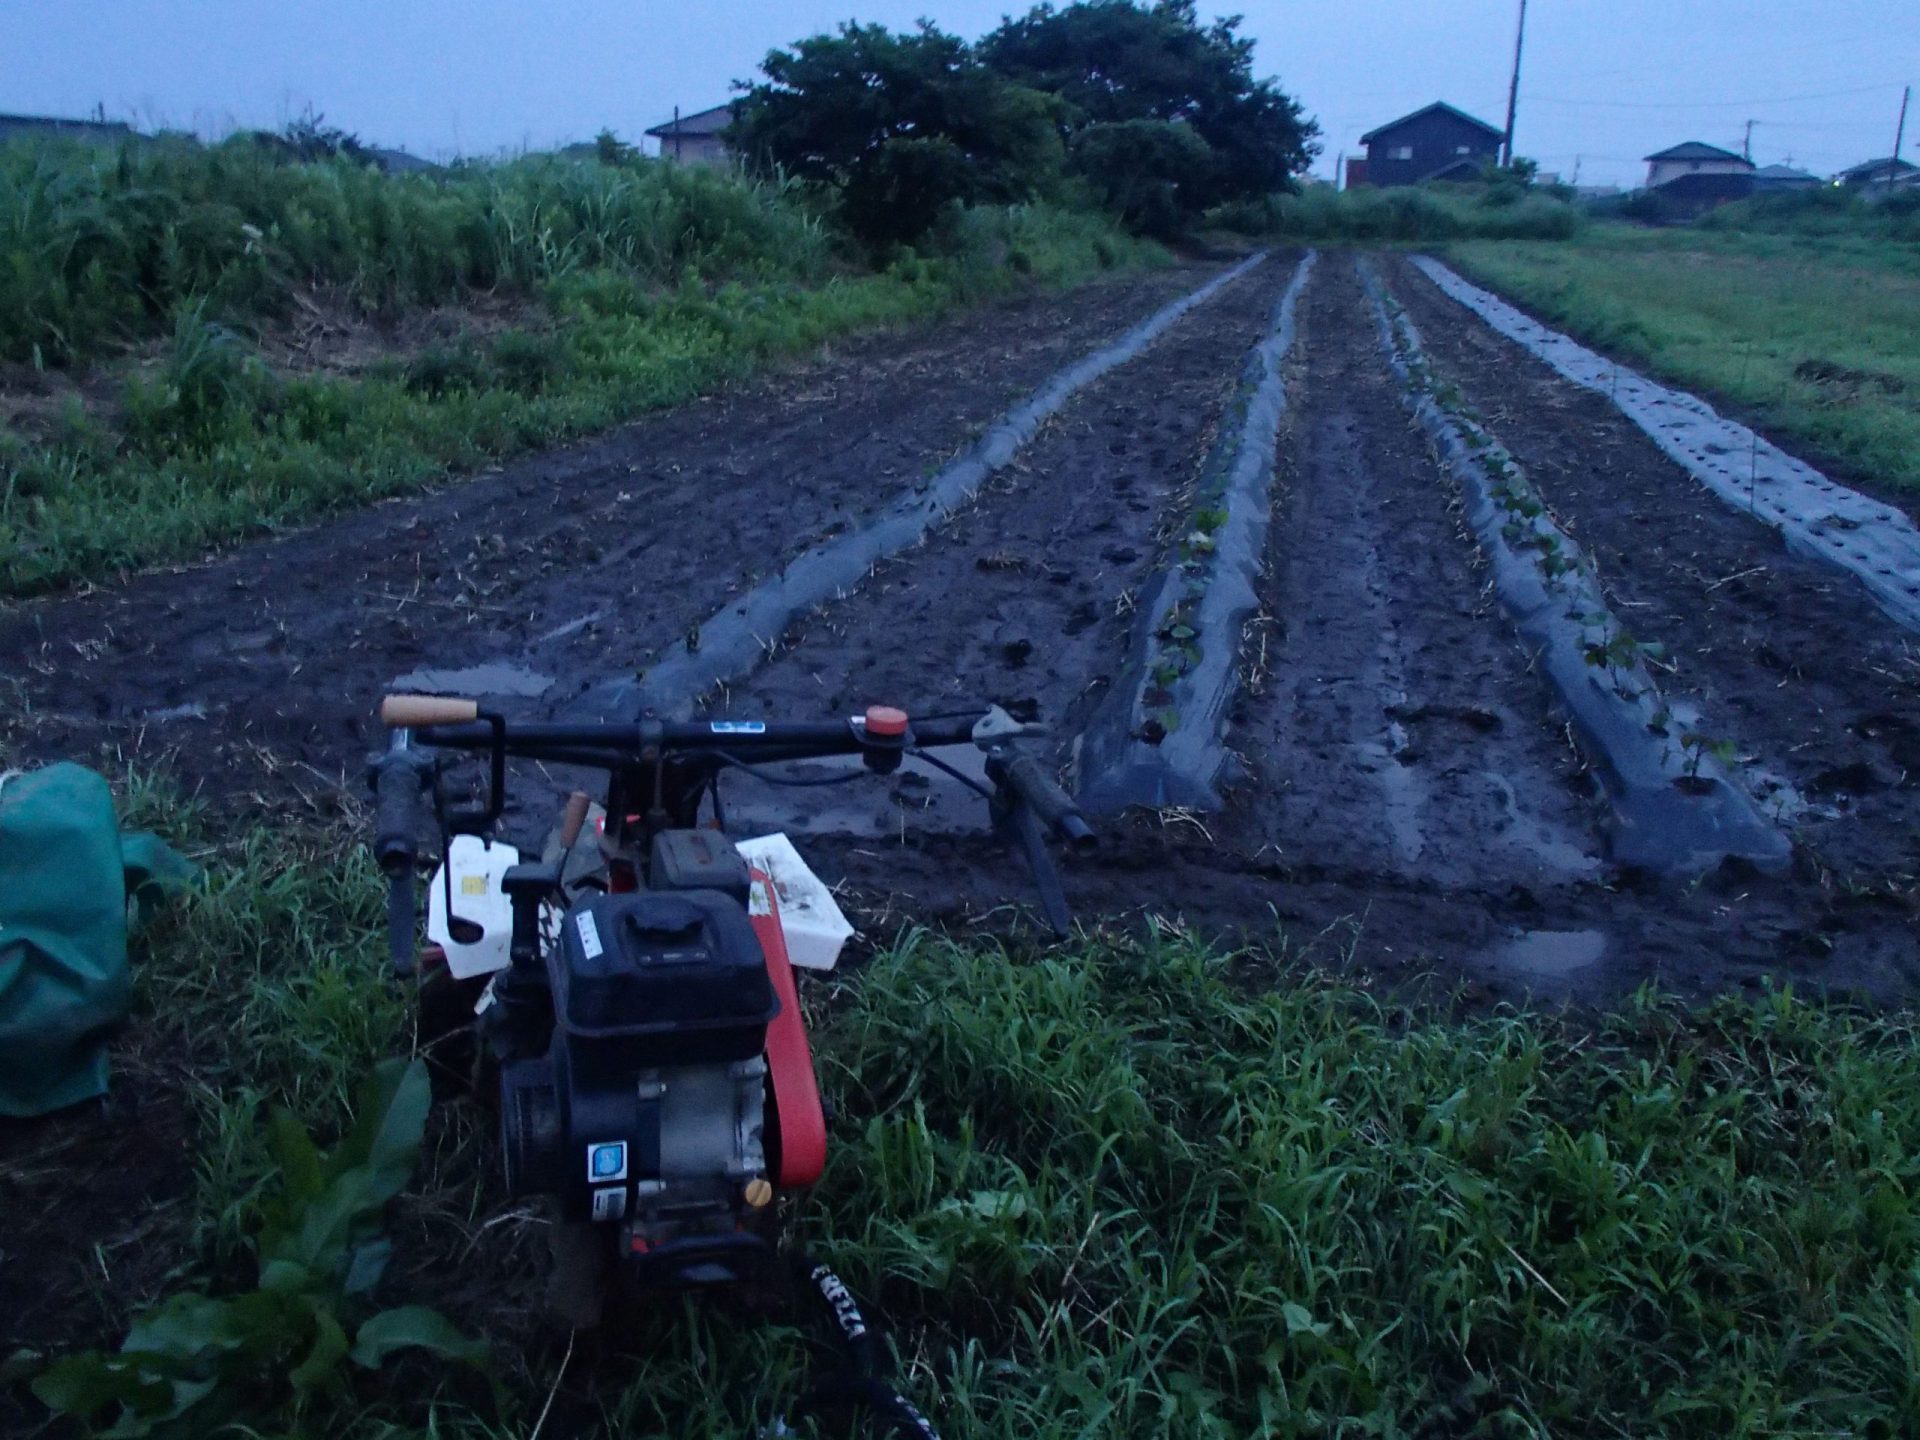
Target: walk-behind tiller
x=632, y=986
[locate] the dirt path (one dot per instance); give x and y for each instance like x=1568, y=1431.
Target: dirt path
x=1790, y=656
x=564, y=566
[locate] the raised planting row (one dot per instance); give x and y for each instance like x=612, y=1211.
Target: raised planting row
x=737, y=638
x=1676, y=809
x=1027, y=597
x=1875, y=542
x=1158, y=739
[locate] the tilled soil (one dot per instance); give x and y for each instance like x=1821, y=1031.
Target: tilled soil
x=1788, y=657
x=1026, y=599
x=1399, y=728
x=1405, y=785
x=553, y=571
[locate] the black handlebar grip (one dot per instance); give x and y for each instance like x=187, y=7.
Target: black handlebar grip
x=396, y=811
x=1050, y=803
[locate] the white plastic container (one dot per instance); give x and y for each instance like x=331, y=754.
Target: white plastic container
x=813, y=924
x=477, y=896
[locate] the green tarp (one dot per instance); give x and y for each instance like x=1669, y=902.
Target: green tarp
x=68, y=880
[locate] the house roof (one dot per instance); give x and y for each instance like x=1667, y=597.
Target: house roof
x=399, y=162
x=1873, y=169
x=1695, y=150
x=701, y=122
x=1441, y=105
x=59, y=125
x=1783, y=172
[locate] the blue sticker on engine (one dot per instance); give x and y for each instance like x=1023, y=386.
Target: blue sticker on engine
x=738, y=727
x=607, y=1162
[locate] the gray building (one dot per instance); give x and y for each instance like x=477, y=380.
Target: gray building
x=1773, y=179
x=697, y=139
x=1878, y=174
x=1695, y=159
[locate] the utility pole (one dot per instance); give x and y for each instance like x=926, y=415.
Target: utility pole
x=1746, y=146
x=1513, y=90
x=1899, y=138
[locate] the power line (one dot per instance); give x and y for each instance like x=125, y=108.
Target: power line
x=1714, y=104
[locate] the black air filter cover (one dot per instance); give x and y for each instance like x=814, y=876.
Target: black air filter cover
x=661, y=978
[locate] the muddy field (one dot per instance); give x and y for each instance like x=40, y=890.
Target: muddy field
x=1404, y=796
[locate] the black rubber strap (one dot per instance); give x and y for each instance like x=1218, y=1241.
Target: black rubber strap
x=859, y=1385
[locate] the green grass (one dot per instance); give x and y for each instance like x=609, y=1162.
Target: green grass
x=1813, y=335
x=1405, y=214
x=647, y=284
x=1144, y=1189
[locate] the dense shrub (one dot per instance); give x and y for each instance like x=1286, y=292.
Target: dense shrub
x=1158, y=116
x=1823, y=210
x=101, y=247
x=1420, y=214
x=899, y=127
x=1143, y=171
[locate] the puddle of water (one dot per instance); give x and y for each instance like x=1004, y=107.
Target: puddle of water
x=497, y=678
x=1550, y=953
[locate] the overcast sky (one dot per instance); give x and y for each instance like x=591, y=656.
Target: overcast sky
x=1605, y=81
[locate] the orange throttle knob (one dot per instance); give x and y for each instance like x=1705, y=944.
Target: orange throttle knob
x=884, y=722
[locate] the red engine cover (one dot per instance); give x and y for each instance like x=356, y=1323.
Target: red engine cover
x=798, y=1134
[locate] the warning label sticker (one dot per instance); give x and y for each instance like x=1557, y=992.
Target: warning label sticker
x=610, y=1203
x=589, y=935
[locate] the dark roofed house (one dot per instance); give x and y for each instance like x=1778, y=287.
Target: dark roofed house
x=697, y=139
x=52, y=127
x=1694, y=158
x=1880, y=173
x=1772, y=179
x=1437, y=143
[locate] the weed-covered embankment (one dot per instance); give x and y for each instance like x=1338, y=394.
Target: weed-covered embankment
x=1502, y=210
x=637, y=284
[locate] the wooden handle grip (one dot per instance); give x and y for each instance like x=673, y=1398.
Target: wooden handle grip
x=404, y=712
x=573, y=818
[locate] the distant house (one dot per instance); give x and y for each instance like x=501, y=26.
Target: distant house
x=1437, y=143
x=697, y=139
x=1878, y=173
x=1773, y=179
x=51, y=127
x=399, y=162
x=1693, y=158
x=1356, y=172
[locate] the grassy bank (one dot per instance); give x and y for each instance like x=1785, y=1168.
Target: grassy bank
x=1142, y=1189
x=1425, y=214
x=1814, y=335
x=137, y=287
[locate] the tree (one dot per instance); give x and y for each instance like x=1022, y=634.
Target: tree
x=902, y=125
x=1113, y=62
x=1141, y=170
